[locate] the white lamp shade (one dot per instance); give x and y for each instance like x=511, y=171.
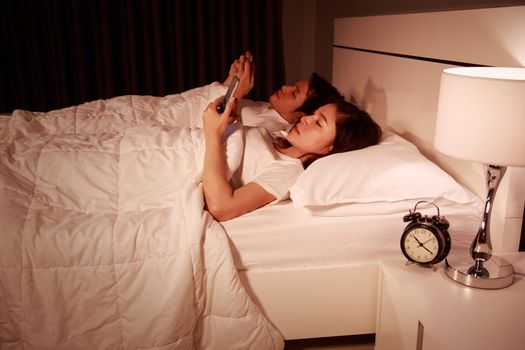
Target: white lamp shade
x=481, y=115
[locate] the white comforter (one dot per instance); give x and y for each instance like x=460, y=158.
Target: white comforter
x=104, y=243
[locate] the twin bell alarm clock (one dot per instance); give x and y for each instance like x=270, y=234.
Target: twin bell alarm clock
x=425, y=240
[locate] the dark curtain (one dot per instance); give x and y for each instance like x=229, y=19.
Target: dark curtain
x=57, y=53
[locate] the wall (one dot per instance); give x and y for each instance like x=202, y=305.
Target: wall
x=300, y=40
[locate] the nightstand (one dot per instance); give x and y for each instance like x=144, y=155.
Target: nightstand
x=420, y=308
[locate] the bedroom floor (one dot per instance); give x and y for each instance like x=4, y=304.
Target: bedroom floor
x=356, y=342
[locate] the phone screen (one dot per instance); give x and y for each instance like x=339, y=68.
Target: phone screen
x=229, y=93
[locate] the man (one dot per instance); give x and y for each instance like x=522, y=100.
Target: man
x=284, y=108
x=286, y=105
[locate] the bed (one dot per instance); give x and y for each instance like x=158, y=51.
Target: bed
x=304, y=268
x=104, y=233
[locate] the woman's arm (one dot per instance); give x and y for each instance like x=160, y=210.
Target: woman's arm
x=222, y=201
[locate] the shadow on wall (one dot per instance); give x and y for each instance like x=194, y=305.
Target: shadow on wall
x=374, y=102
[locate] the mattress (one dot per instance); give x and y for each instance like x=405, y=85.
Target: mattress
x=284, y=237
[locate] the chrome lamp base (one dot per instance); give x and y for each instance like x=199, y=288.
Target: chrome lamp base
x=481, y=269
x=496, y=273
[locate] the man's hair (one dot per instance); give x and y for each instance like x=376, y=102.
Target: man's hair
x=320, y=92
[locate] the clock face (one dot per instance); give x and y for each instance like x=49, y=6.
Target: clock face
x=421, y=245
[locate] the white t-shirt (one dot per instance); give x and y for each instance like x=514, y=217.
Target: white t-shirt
x=257, y=113
x=263, y=164
x=252, y=113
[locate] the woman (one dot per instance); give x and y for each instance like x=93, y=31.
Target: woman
x=270, y=168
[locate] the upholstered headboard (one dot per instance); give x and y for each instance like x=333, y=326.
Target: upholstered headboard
x=391, y=66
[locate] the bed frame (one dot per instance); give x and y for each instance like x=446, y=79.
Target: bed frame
x=391, y=66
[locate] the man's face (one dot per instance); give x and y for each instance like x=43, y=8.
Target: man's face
x=290, y=97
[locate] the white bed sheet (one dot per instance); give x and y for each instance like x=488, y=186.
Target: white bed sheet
x=284, y=237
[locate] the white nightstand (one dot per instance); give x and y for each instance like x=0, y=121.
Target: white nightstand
x=423, y=309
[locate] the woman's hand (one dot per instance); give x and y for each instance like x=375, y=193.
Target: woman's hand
x=244, y=69
x=233, y=69
x=215, y=123
x=222, y=201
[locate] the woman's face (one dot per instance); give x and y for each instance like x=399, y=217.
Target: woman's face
x=315, y=133
x=290, y=97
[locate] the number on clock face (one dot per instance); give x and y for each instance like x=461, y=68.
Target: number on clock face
x=421, y=245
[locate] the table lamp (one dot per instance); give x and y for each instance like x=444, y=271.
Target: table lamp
x=481, y=118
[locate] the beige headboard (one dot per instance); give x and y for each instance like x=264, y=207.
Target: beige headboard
x=391, y=66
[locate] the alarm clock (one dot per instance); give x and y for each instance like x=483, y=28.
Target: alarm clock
x=425, y=240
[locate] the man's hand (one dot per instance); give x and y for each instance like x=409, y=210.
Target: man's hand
x=244, y=69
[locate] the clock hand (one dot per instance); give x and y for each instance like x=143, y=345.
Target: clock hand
x=428, y=240
x=426, y=249
x=417, y=240
x=422, y=244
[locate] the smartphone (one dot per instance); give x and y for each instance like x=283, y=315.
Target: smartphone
x=229, y=93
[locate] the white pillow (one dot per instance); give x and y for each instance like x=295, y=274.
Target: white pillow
x=391, y=171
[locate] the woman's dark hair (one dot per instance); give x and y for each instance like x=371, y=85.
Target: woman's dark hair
x=320, y=92
x=355, y=129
